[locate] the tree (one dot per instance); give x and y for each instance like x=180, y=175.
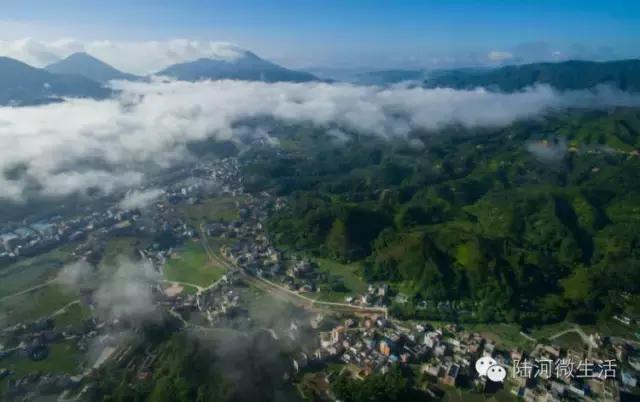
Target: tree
x=337, y=240
x=389, y=387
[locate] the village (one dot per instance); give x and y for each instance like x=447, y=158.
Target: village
x=356, y=334
x=446, y=355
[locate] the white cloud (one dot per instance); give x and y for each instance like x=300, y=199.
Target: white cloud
x=68, y=147
x=38, y=53
x=123, y=291
x=139, y=199
x=128, y=293
x=548, y=151
x=415, y=143
x=132, y=57
x=79, y=275
x=499, y=56
x=339, y=136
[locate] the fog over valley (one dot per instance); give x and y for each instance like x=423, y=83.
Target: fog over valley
x=108, y=144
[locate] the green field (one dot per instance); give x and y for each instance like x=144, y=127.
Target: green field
x=546, y=331
x=213, y=209
x=189, y=264
x=120, y=246
x=603, y=327
x=349, y=274
x=36, y=304
x=616, y=328
x=570, y=340
x=73, y=315
x=63, y=358
x=29, y=272
x=189, y=290
x=504, y=335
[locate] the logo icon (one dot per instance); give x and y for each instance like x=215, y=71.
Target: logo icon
x=483, y=364
x=496, y=373
x=486, y=366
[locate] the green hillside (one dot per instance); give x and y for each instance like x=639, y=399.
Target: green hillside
x=478, y=218
x=569, y=75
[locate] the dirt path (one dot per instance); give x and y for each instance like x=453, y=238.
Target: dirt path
x=193, y=285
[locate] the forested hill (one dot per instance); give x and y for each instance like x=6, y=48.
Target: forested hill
x=533, y=223
x=569, y=75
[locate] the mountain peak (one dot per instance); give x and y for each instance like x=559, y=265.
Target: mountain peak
x=231, y=62
x=223, y=51
x=22, y=84
x=81, y=56
x=88, y=66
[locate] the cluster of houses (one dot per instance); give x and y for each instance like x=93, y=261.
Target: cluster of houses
x=220, y=300
x=372, y=344
x=447, y=356
x=250, y=249
x=26, y=239
x=39, y=383
x=30, y=240
x=30, y=340
x=376, y=295
x=33, y=341
x=214, y=304
x=301, y=276
x=91, y=230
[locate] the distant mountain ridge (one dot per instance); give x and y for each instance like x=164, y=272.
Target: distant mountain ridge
x=82, y=75
x=385, y=77
x=568, y=75
x=246, y=66
x=22, y=84
x=89, y=67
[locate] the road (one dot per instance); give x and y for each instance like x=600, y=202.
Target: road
x=591, y=344
x=528, y=337
x=64, y=308
x=585, y=338
x=29, y=290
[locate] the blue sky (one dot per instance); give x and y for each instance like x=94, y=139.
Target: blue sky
x=351, y=33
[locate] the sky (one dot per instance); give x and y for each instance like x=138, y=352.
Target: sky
x=342, y=34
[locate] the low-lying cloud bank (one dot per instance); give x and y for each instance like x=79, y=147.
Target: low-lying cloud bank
x=548, y=151
x=128, y=292
x=125, y=292
x=136, y=199
x=65, y=148
x=120, y=293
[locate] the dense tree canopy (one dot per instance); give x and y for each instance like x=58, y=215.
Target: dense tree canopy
x=528, y=223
